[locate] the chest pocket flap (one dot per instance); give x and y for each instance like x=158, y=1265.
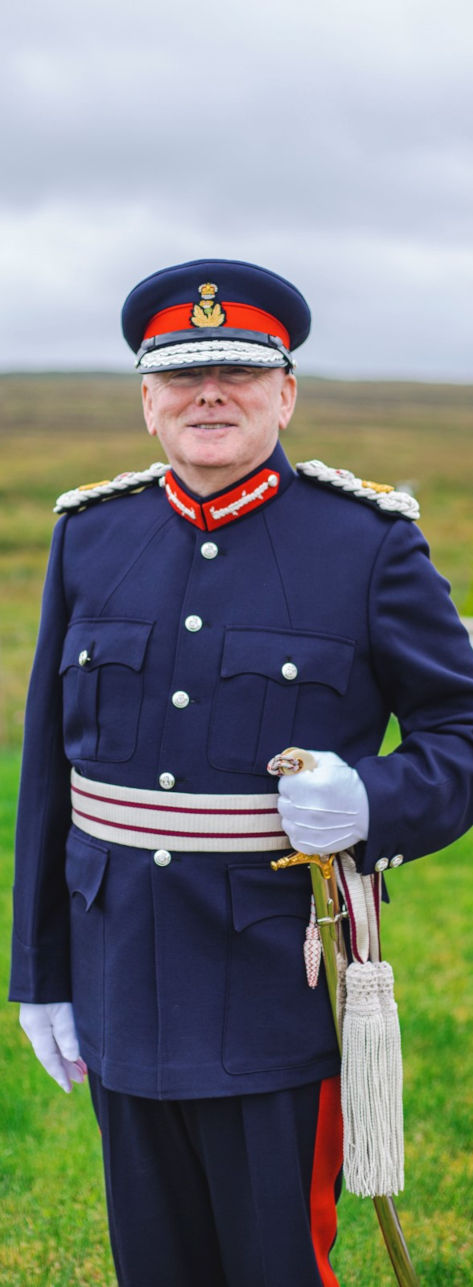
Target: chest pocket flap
x=102, y=642
x=317, y=659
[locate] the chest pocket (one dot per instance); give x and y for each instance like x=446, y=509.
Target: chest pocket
x=275, y=687
x=102, y=668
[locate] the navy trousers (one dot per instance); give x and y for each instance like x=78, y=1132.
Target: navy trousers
x=231, y=1192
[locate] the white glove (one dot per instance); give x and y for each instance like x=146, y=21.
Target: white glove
x=52, y=1032
x=325, y=809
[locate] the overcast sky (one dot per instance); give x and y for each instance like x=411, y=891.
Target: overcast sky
x=330, y=141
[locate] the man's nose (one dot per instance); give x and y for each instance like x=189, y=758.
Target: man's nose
x=210, y=389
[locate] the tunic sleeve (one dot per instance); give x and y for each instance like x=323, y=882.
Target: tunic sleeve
x=40, y=957
x=420, y=796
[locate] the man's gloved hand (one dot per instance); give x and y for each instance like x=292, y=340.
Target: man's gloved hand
x=52, y=1032
x=324, y=810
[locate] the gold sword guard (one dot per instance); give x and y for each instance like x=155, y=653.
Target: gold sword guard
x=323, y=861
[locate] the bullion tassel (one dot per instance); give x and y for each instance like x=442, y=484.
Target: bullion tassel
x=372, y=1083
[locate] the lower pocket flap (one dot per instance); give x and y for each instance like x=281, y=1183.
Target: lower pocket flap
x=85, y=867
x=258, y=893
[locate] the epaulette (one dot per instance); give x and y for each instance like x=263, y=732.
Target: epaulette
x=89, y=493
x=380, y=495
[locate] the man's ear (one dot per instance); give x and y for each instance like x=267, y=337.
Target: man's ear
x=148, y=405
x=288, y=399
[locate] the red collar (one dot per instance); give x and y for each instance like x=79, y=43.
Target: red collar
x=225, y=507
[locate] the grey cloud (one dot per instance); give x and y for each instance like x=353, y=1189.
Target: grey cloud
x=334, y=145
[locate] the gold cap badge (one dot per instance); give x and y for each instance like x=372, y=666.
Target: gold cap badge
x=208, y=312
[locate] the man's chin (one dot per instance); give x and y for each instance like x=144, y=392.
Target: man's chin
x=213, y=455
x=217, y=440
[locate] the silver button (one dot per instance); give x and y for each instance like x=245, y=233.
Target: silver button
x=397, y=860
x=193, y=623
x=167, y=781
x=381, y=864
x=180, y=699
x=209, y=550
x=162, y=857
x=273, y=480
x=84, y=657
x=289, y=670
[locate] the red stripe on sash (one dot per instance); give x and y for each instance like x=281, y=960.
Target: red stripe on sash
x=167, y=808
x=192, y=835
x=328, y=1158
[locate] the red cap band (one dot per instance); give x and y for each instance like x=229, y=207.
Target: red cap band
x=242, y=317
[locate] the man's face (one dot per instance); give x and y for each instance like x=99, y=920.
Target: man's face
x=217, y=423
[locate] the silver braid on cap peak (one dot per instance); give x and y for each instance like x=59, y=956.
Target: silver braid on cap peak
x=214, y=352
x=384, y=498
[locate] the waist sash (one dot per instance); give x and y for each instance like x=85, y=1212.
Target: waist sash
x=178, y=820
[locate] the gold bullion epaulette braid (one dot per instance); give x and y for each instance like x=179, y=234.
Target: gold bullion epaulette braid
x=380, y=495
x=89, y=493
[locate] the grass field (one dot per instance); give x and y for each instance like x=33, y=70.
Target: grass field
x=56, y=432
x=52, y=1221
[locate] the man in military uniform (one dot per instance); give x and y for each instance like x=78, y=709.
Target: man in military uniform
x=210, y=613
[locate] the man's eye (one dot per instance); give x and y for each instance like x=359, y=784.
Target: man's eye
x=241, y=372
x=183, y=376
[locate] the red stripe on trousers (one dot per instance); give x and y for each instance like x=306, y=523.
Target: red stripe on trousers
x=328, y=1158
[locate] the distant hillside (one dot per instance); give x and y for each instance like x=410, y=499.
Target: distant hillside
x=61, y=430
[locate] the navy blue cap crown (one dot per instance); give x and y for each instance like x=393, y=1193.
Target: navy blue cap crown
x=214, y=311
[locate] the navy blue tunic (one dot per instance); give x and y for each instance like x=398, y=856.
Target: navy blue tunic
x=188, y=980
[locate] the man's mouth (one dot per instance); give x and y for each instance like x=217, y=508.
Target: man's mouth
x=212, y=424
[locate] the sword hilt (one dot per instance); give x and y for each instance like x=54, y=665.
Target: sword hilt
x=323, y=861
x=293, y=760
